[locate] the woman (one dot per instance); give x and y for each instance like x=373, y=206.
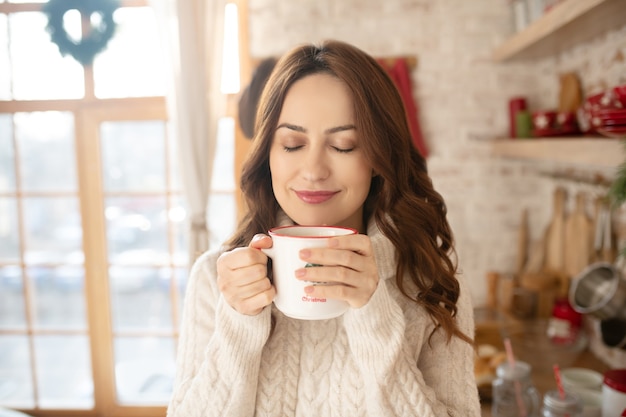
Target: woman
x=332, y=147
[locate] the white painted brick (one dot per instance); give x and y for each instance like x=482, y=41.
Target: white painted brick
x=462, y=98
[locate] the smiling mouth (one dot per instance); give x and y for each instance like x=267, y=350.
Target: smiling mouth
x=315, y=197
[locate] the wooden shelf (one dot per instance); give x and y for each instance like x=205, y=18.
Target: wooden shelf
x=565, y=25
x=592, y=152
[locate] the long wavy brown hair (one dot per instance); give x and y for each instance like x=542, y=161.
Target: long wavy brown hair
x=401, y=200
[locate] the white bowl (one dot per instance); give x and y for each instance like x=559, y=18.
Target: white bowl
x=575, y=378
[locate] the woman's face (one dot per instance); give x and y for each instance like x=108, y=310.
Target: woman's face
x=319, y=173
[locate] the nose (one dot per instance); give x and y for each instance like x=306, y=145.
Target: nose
x=315, y=166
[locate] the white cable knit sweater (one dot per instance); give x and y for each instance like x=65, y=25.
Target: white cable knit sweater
x=373, y=361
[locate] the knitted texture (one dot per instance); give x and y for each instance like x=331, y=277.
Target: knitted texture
x=373, y=361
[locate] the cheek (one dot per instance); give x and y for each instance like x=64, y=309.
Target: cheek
x=360, y=175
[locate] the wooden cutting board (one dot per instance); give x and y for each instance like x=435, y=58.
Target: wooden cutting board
x=555, y=233
x=579, y=234
x=522, y=243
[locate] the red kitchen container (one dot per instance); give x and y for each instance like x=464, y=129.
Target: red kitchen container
x=516, y=104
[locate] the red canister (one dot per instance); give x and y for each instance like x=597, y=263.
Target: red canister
x=614, y=393
x=516, y=104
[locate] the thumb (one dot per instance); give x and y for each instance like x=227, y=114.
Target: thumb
x=261, y=241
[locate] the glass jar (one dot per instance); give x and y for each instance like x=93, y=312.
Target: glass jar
x=570, y=405
x=514, y=394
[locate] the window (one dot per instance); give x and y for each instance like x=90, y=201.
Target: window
x=93, y=252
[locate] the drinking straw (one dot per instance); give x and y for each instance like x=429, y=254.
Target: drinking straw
x=559, y=382
x=518, y=388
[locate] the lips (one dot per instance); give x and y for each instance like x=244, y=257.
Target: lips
x=315, y=197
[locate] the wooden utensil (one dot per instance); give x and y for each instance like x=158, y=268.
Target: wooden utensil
x=609, y=250
x=578, y=238
x=522, y=243
x=555, y=233
x=598, y=228
x=492, y=289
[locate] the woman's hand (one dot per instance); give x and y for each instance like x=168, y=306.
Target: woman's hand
x=242, y=277
x=348, y=266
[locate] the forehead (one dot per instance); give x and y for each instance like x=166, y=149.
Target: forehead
x=321, y=94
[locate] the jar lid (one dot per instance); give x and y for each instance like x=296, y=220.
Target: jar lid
x=569, y=402
x=616, y=379
x=519, y=371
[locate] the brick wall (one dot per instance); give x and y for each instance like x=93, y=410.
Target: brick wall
x=463, y=98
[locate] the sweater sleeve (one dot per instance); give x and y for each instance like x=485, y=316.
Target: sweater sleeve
x=219, y=351
x=403, y=374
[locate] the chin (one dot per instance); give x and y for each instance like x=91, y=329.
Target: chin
x=312, y=220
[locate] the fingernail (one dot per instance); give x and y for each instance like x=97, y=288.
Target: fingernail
x=332, y=243
x=305, y=253
x=257, y=237
x=309, y=289
x=300, y=272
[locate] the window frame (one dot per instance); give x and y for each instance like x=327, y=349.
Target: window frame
x=89, y=112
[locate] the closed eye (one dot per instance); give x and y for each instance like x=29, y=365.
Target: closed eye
x=343, y=150
x=291, y=148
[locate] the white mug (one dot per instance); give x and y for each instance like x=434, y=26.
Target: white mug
x=290, y=296
x=614, y=393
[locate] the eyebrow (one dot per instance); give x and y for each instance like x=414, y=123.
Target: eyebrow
x=301, y=129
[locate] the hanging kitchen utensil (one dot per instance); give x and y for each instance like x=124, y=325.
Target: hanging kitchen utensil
x=522, y=243
x=598, y=228
x=604, y=246
x=609, y=250
x=578, y=239
x=555, y=233
x=599, y=290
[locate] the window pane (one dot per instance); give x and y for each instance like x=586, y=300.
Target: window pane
x=178, y=218
x=182, y=275
x=53, y=230
x=222, y=217
x=133, y=155
x=140, y=297
x=144, y=369
x=5, y=63
x=223, y=178
x=133, y=64
x=9, y=236
x=38, y=70
x=137, y=230
x=59, y=296
x=47, y=156
x=7, y=153
x=173, y=160
x=16, y=388
x=64, y=371
x=12, y=313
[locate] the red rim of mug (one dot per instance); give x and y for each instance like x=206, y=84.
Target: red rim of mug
x=276, y=231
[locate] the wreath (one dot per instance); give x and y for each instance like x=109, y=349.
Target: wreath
x=96, y=38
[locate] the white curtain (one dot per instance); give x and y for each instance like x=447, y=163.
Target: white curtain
x=192, y=33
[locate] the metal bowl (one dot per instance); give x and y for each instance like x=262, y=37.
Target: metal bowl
x=599, y=290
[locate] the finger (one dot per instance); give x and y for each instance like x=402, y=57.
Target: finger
x=240, y=258
x=358, y=243
x=335, y=257
x=329, y=275
x=244, y=276
x=252, y=289
x=355, y=297
x=254, y=305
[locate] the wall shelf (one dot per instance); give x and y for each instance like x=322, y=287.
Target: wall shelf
x=565, y=25
x=592, y=152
